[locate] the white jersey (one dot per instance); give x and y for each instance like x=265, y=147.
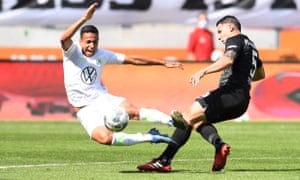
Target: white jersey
x=82, y=74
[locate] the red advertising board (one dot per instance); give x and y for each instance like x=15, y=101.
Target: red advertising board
x=35, y=90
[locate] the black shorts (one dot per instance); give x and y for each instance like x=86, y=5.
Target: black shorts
x=224, y=103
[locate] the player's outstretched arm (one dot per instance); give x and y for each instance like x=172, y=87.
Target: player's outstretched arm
x=65, y=39
x=221, y=64
x=143, y=60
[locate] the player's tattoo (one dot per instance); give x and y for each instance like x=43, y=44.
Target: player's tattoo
x=230, y=53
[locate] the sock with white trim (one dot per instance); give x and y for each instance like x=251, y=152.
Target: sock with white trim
x=153, y=115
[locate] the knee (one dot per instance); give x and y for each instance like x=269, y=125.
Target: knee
x=102, y=136
x=134, y=113
x=194, y=117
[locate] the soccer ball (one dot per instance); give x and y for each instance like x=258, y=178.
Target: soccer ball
x=216, y=55
x=116, y=119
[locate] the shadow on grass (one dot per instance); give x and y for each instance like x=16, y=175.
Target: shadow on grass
x=172, y=172
x=263, y=170
x=209, y=172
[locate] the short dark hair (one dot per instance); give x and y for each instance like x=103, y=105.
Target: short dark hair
x=230, y=19
x=88, y=29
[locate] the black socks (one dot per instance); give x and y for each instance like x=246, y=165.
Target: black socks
x=207, y=131
x=180, y=137
x=210, y=134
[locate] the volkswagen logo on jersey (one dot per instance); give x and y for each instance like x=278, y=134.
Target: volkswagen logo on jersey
x=89, y=75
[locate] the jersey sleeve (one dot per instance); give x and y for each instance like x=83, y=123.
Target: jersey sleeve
x=111, y=57
x=70, y=52
x=120, y=57
x=105, y=56
x=233, y=43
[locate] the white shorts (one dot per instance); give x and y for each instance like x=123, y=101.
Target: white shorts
x=92, y=115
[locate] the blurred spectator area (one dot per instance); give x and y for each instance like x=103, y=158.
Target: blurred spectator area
x=166, y=41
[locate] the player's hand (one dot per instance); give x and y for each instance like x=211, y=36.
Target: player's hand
x=90, y=11
x=195, y=79
x=174, y=65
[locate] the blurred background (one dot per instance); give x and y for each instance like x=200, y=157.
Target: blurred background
x=31, y=76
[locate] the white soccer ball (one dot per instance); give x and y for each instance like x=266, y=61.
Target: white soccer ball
x=116, y=119
x=216, y=55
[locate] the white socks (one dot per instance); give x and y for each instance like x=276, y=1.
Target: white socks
x=124, y=139
x=153, y=115
x=150, y=115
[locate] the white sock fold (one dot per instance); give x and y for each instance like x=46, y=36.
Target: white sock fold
x=153, y=115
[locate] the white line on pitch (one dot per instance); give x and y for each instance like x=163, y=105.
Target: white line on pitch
x=63, y=164
x=126, y=162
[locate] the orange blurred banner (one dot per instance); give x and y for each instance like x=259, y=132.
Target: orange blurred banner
x=35, y=90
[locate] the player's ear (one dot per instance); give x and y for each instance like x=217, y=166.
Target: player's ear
x=231, y=28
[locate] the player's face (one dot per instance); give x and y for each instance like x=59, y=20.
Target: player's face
x=224, y=32
x=89, y=43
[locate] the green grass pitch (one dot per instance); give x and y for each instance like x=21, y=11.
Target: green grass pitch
x=62, y=150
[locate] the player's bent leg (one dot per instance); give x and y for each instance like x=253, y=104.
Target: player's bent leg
x=132, y=110
x=191, y=117
x=194, y=114
x=155, y=116
x=178, y=120
x=146, y=114
x=163, y=162
x=153, y=136
x=106, y=137
x=102, y=135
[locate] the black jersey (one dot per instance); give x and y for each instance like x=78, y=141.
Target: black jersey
x=244, y=65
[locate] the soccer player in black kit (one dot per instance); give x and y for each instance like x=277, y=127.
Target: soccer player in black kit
x=241, y=65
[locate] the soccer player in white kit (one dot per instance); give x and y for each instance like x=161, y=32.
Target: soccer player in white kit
x=83, y=63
